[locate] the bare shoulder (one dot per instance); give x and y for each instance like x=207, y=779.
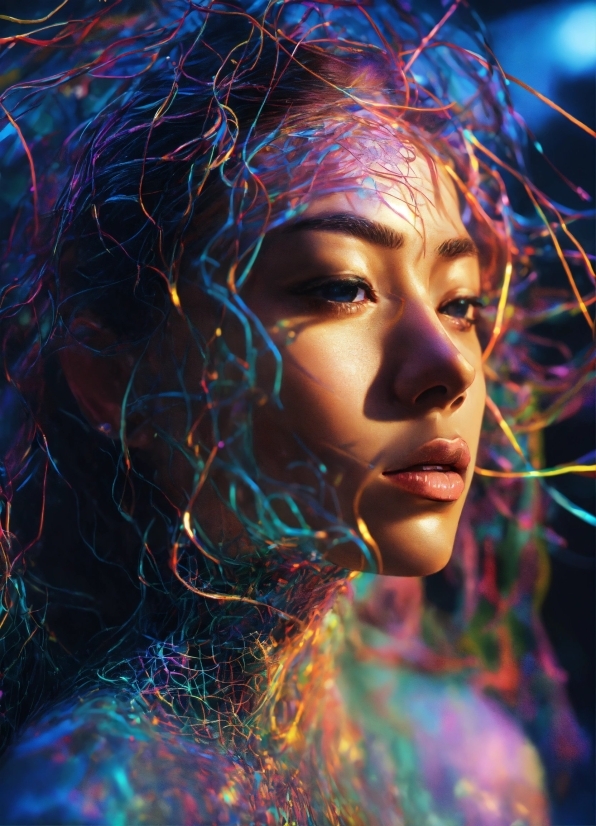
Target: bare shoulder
x=464, y=749
x=481, y=753
x=105, y=759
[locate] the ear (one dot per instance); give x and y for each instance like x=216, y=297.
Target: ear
x=97, y=377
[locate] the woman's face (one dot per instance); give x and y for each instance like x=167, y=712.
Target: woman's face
x=370, y=299
x=369, y=296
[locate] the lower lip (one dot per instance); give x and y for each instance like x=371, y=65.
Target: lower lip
x=438, y=485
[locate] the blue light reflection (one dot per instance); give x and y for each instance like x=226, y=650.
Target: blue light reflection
x=543, y=46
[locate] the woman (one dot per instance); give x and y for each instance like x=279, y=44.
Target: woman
x=251, y=366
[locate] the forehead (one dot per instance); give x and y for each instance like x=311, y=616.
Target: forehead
x=422, y=201
x=368, y=168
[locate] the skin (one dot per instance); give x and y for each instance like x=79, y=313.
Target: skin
x=376, y=367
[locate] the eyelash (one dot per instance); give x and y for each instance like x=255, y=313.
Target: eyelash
x=313, y=290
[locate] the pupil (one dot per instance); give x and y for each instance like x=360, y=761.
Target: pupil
x=461, y=308
x=341, y=292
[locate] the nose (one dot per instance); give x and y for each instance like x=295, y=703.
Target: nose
x=430, y=372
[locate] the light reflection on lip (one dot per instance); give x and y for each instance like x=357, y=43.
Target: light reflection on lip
x=434, y=471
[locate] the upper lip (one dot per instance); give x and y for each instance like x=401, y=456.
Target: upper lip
x=452, y=452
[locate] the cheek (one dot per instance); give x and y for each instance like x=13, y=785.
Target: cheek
x=327, y=374
x=468, y=418
x=474, y=409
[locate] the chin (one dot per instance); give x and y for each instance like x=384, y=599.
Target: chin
x=418, y=547
x=413, y=564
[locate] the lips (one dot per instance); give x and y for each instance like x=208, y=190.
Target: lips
x=434, y=471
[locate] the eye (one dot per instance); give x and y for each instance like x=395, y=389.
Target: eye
x=340, y=291
x=462, y=310
x=345, y=291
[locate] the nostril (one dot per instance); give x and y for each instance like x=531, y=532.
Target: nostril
x=432, y=395
x=458, y=402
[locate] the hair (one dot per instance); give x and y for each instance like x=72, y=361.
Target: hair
x=162, y=141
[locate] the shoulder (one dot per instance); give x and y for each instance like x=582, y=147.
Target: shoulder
x=477, y=752
x=105, y=759
x=469, y=754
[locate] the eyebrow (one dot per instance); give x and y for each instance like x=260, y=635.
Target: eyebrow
x=354, y=225
x=456, y=247
x=376, y=233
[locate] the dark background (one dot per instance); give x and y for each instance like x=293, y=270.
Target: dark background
x=552, y=47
